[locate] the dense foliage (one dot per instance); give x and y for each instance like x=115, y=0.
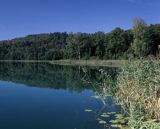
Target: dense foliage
x=140, y=41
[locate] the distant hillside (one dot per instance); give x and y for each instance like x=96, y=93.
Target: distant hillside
x=140, y=41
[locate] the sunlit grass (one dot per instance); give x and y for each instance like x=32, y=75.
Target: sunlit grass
x=138, y=91
x=136, y=88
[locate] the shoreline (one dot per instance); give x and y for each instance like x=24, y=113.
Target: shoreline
x=111, y=63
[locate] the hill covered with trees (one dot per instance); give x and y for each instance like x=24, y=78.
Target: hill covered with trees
x=140, y=41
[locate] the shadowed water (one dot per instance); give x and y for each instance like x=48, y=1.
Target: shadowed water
x=45, y=96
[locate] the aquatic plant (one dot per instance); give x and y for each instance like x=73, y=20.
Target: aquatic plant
x=138, y=91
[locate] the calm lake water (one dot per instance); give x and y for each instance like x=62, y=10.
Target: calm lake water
x=45, y=96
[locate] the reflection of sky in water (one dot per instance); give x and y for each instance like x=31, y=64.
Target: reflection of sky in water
x=30, y=108
x=60, y=104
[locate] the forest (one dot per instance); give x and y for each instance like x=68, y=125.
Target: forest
x=141, y=40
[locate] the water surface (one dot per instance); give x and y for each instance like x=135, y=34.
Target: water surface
x=45, y=96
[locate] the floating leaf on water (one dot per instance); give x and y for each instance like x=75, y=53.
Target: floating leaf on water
x=88, y=110
x=105, y=115
x=98, y=119
x=110, y=113
x=119, y=116
x=114, y=121
x=102, y=122
x=116, y=126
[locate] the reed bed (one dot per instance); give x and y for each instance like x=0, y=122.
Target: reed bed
x=138, y=91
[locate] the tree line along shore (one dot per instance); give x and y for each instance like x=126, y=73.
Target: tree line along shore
x=141, y=40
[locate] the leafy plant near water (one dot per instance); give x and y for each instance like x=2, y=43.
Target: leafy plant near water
x=137, y=89
x=138, y=92
x=104, y=84
x=105, y=88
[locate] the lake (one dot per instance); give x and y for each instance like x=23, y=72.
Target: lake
x=46, y=96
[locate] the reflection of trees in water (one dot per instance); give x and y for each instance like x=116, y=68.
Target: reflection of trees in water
x=105, y=89
x=48, y=76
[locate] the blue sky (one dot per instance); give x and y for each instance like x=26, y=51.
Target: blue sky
x=22, y=17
